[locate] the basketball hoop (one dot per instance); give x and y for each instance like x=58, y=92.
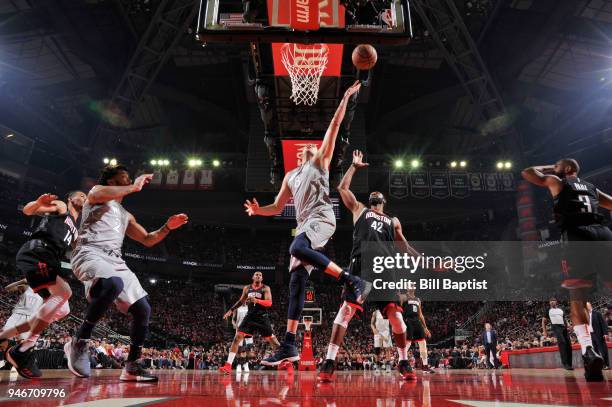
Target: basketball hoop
x=307, y=320
x=305, y=64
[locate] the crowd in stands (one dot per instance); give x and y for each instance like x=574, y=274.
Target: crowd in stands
x=187, y=330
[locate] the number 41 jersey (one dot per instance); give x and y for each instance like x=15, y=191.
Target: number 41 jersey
x=374, y=228
x=577, y=204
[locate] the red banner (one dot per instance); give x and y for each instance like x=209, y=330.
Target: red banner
x=334, y=58
x=330, y=13
x=305, y=15
x=292, y=152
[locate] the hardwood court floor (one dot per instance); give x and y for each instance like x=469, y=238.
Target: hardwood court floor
x=513, y=387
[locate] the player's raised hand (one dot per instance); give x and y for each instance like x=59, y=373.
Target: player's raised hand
x=141, y=181
x=251, y=208
x=46, y=199
x=176, y=221
x=353, y=89
x=358, y=160
x=228, y=314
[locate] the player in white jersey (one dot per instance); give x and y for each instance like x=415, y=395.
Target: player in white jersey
x=97, y=262
x=316, y=223
x=380, y=329
x=26, y=306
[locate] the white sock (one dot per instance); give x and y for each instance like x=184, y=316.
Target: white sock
x=230, y=357
x=403, y=353
x=423, y=352
x=584, y=337
x=332, y=351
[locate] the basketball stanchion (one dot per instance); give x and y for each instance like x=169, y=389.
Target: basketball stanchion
x=307, y=361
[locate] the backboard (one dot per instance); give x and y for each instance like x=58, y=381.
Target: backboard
x=303, y=21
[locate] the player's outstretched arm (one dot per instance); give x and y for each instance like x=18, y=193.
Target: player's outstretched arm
x=347, y=196
x=253, y=208
x=605, y=200
x=542, y=176
x=326, y=151
x=104, y=193
x=46, y=203
x=149, y=239
x=237, y=305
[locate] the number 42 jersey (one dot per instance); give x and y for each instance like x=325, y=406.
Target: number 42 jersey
x=374, y=228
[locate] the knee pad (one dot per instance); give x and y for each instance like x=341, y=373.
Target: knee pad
x=107, y=287
x=344, y=315
x=398, y=325
x=299, y=246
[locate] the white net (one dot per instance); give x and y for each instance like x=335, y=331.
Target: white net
x=305, y=64
x=307, y=322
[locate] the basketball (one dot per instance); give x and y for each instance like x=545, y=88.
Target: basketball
x=364, y=57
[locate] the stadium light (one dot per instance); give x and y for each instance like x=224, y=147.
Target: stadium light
x=152, y=281
x=463, y=164
x=194, y=162
x=153, y=162
x=113, y=161
x=9, y=135
x=453, y=164
x=216, y=163
x=105, y=160
x=398, y=163
x=415, y=163
x=500, y=165
x=166, y=162
x=508, y=165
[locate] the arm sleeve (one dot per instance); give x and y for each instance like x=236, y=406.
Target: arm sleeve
x=264, y=303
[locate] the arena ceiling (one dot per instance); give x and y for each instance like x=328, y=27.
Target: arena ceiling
x=61, y=62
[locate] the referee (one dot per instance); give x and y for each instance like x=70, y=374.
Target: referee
x=555, y=314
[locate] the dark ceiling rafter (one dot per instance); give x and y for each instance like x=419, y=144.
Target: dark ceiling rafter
x=167, y=26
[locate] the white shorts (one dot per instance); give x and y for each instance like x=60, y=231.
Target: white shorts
x=16, y=319
x=319, y=230
x=382, y=340
x=89, y=265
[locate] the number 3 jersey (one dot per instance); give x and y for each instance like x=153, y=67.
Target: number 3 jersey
x=577, y=204
x=375, y=229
